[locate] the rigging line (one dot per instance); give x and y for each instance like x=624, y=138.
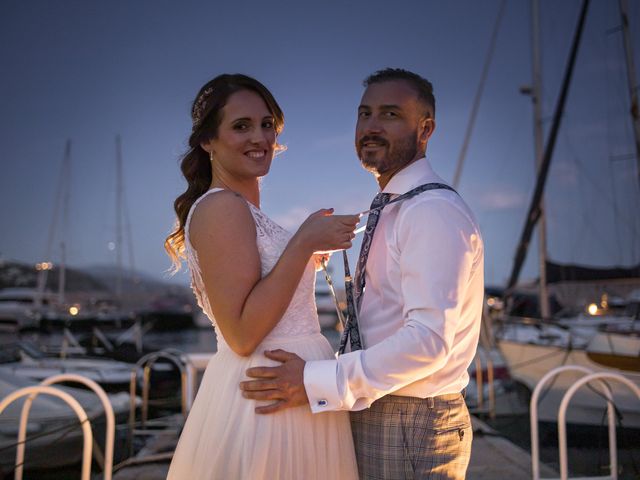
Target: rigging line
x=591, y=226
x=616, y=213
x=58, y=201
x=65, y=432
x=577, y=243
x=559, y=351
x=610, y=199
x=563, y=362
x=478, y=97
x=630, y=102
x=65, y=429
x=614, y=61
x=587, y=222
x=631, y=79
x=607, y=60
x=128, y=234
x=534, y=211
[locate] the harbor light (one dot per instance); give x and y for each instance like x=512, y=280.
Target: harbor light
x=592, y=309
x=74, y=310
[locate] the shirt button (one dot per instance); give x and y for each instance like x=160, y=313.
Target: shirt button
x=322, y=403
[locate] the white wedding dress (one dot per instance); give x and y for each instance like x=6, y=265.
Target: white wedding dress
x=223, y=437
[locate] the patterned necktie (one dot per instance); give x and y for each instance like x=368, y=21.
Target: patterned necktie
x=354, y=300
x=354, y=295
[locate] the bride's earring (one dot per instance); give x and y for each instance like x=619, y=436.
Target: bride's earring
x=211, y=156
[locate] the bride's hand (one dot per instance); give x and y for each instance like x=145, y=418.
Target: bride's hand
x=324, y=232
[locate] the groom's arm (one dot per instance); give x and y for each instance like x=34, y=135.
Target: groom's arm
x=438, y=246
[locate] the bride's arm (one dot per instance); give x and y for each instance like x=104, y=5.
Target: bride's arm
x=247, y=307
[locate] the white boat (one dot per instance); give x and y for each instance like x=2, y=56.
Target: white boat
x=531, y=349
x=34, y=365
x=19, y=308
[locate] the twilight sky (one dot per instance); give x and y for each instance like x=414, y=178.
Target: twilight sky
x=90, y=70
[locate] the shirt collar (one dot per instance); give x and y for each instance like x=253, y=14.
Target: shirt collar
x=412, y=176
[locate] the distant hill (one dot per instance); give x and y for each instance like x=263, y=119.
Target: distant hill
x=137, y=281
x=14, y=274
x=98, y=278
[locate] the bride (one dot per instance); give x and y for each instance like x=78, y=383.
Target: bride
x=255, y=282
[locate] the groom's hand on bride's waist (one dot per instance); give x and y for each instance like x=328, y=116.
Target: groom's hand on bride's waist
x=283, y=384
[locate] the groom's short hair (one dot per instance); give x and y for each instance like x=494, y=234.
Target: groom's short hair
x=421, y=85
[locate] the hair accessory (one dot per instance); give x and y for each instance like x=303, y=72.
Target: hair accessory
x=199, y=106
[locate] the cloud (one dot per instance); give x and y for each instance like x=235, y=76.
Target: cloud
x=502, y=198
x=292, y=218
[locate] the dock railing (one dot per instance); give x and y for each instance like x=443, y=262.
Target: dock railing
x=108, y=411
x=590, y=376
x=182, y=362
x=483, y=358
x=32, y=392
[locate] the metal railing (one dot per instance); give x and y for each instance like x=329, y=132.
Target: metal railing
x=108, y=411
x=483, y=356
x=32, y=392
x=590, y=376
x=146, y=362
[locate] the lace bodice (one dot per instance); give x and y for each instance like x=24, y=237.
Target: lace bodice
x=301, y=317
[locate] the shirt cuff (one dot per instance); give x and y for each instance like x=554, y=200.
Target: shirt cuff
x=320, y=382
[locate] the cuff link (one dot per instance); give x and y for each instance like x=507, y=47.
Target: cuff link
x=322, y=403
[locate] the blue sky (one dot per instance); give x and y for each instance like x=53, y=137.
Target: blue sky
x=88, y=71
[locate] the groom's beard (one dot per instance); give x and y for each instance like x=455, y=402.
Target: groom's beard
x=398, y=154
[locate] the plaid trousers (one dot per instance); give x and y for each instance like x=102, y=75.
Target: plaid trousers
x=413, y=438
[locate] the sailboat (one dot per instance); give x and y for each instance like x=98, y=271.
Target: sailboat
x=600, y=325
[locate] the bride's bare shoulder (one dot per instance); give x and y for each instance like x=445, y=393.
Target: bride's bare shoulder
x=224, y=213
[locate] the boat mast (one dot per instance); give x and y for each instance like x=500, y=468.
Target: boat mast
x=538, y=144
x=119, y=194
x=62, y=271
x=62, y=194
x=533, y=213
x=631, y=79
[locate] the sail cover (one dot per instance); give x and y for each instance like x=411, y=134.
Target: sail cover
x=557, y=273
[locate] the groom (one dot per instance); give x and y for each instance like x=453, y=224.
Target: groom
x=419, y=318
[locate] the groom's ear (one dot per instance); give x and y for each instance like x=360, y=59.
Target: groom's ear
x=427, y=127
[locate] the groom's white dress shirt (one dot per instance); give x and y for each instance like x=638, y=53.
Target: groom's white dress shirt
x=421, y=310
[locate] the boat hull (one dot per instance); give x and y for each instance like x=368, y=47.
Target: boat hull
x=528, y=363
